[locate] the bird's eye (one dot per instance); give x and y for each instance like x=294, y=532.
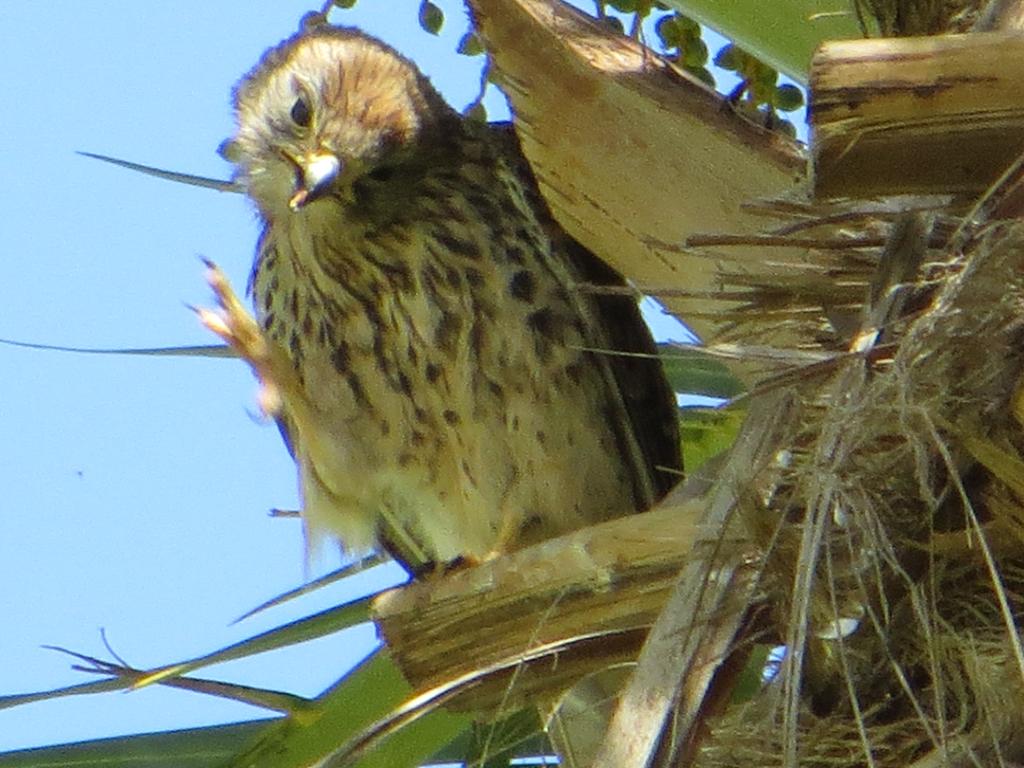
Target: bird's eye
x=300, y=113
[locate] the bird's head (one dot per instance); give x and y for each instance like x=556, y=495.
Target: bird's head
x=324, y=109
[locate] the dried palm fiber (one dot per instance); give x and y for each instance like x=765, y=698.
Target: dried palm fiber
x=893, y=560
x=813, y=300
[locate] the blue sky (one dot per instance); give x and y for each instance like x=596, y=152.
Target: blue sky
x=136, y=490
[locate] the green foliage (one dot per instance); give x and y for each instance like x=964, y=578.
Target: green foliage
x=782, y=33
x=642, y=8
x=343, y=720
x=691, y=372
x=707, y=432
x=751, y=679
x=490, y=745
x=190, y=748
x=470, y=44
x=494, y=744
x=788, y=98
x=760, y=82
x=680, y=40
x=682, y=35
x=364, y=716
x=431, y=17
x=679, y=37
x=759, y=92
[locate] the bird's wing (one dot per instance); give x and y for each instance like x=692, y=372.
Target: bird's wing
x=638, y=372
x=633, y=360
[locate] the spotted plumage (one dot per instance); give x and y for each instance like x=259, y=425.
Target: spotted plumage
x=438, y=383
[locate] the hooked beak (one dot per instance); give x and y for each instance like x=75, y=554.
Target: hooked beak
x=314, y=176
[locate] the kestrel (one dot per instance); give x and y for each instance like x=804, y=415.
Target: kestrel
x=429, y=340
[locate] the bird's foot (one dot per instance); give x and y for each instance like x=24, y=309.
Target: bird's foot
x=238, y=328
x=437, y=569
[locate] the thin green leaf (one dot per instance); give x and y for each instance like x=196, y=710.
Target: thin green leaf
x=83, y=689
x=180, y=178
x=257, y=697
x=125, y=678
x=265, y=698
x=340, y=574
x=206, y=350
x=318, y=625
x=425, y=705
x=369, y=693
x=190, y=748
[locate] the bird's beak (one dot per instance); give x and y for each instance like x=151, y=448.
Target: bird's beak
x=316, y=174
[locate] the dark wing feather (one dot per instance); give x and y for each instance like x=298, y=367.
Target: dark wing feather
x=649, y=400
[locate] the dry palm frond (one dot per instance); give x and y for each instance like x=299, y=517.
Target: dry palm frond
x=816, y=301
x=892, y=556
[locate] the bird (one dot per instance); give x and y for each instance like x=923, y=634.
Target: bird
x=455, y=376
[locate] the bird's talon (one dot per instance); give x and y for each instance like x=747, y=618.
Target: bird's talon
x=269, y=398
x=214, y=322
x=240, y=331
x=233, y=323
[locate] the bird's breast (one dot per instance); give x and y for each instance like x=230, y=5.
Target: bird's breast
x=447, y=367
